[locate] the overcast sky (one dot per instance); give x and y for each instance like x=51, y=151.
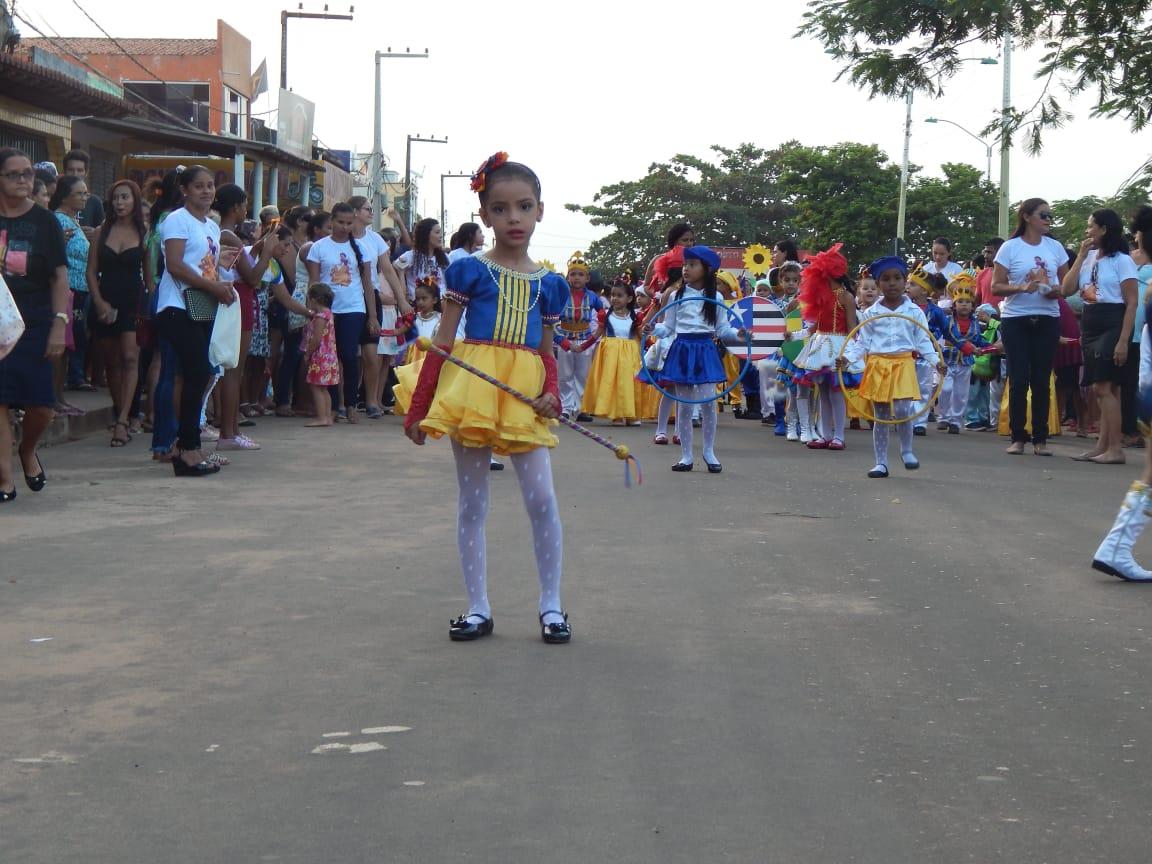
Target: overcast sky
x=598, y=95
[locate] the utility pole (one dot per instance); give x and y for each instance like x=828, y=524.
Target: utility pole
x=375, y=166
x=284, y=16
x=443, y=212
x=408, y=171
x=904, y=174
x=1005, y=146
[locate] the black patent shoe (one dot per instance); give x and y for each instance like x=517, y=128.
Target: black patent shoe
x=5, y=497
x=714, y=467
x=879, y=472
x=37, y=482
x=463, y=630
x=682, y=466
x=555, y=634
x=201, y=469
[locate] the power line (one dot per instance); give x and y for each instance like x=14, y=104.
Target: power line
x=91, y=68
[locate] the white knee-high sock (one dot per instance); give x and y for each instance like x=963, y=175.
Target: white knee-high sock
x=708, y=425
x=904, y=430
x=833, y=414
x=684, y=421
x=880, y=435
x=803, y=408
x=472, y=478
x=662, y=414
x=534, y=471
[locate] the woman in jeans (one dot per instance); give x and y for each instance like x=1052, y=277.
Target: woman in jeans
x=191, y=243
x=1105, y=276
x=1028, y=271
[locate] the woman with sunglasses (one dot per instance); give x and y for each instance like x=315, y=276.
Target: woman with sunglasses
x=1028, y=271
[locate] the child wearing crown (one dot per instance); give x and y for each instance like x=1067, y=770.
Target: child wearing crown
x=575, y=335
x=962, y=342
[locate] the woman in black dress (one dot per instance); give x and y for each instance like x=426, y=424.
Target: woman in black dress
x=117, y=282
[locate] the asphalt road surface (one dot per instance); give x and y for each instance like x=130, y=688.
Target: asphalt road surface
x=787, y=662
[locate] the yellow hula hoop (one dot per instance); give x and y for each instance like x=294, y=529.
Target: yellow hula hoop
x=939, y=384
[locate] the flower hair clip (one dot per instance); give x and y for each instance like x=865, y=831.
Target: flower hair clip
x=480, y=178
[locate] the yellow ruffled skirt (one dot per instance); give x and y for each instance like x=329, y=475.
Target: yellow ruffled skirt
x=888, y=377
x=1003, y=427
x=612, y=387
x=858, y=408
x=647, y=401
x=475, y=413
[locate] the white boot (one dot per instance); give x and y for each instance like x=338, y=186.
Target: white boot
x=1114, y=556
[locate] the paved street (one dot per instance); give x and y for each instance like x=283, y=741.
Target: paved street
x=785, y=663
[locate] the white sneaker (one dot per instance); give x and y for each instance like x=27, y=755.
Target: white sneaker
x=806, y=436
x=792, y=435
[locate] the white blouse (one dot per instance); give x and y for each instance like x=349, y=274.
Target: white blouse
x=892, y=335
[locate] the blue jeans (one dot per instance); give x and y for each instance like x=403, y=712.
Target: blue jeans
x=349, y=326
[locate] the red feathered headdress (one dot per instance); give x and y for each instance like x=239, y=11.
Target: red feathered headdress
x=817, y=298
x=669, y=260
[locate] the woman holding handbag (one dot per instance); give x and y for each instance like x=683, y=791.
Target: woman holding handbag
x=189, y=291
x=34, y=267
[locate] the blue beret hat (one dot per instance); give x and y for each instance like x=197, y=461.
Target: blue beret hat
x=889, y=262
x=703, y=253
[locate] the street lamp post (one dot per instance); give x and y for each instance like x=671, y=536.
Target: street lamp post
x=1005, y=109
x=408, y=171
x=903, y=206
x=987, y=147
x=443, y=211
x=284, y=16
x=375, y=167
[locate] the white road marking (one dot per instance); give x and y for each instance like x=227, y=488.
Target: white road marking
x=384, y=730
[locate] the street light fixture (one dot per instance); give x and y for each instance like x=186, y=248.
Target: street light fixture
x=988, y=148
x=408, y=171
x=374, y=164
x=443, y=211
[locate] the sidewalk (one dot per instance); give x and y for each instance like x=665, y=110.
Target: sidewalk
x=98, y=416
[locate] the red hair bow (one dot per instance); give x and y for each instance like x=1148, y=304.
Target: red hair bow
x=480, y=178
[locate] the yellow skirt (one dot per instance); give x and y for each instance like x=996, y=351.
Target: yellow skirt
x=732, y=365
x=1003, y=427
x=858, y=409
x=475, y=413
x=612, y=386
x=888, y=377
x=647, y=401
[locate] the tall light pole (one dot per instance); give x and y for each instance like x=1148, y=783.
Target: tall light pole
x=900, y=211
x=988, y=148
x=374, y=164
x=284, y=16
x=1005, y=145
x=443, y=212
x=408, y=171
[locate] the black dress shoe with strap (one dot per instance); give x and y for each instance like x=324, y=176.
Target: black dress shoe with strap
x=682, y=466
x=36, y=482
x=556, y=633
x=714, y=467
x=463, y=630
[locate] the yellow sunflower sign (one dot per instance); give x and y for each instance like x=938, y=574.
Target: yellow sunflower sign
x=547, y=265
x=757, y=259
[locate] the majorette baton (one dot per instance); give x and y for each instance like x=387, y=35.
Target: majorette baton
x=620, y=450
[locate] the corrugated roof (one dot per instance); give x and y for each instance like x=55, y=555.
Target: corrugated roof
x=48, y=89
x=135, y=47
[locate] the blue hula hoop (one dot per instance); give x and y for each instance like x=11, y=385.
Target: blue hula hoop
x=653, y=376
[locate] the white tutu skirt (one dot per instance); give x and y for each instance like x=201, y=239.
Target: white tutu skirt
x=387, y=345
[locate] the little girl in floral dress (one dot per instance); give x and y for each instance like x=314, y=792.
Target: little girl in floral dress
x=320, y=352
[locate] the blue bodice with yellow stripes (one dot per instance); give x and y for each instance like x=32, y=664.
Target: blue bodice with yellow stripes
x=503, y=305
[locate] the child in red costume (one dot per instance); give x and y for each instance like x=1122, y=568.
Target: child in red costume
x=513, y=305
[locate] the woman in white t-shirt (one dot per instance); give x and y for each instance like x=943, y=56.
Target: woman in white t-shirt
x=1105, y=276
x=191, y=245
x=1028, y=271
x=468, y=240
x=376, y=354
x=340, y=263
x=941, y=259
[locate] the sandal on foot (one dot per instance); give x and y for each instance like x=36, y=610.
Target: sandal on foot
x=556, y=633
x=117, y=441
x=1016, y=448
x=463, y=630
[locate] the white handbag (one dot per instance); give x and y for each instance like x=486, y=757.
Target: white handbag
x=11, y=321
x=224, y=349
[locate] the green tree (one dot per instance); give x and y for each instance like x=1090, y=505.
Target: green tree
x=1070, y=216
x=730, y=202
x=889, y=47
x=961, y=206
x=846, y=193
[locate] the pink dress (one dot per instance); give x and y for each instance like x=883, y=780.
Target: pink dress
x=323, y=365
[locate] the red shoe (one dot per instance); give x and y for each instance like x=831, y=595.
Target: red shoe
x=835, y=444
x=676, y=440
x=660, y=439
x=818, y=444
